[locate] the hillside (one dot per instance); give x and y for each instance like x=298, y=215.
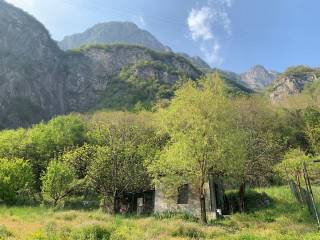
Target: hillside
x=258, y=77
x=123, y=33
x=113, y=33
x=292, y=82
x=38, y=80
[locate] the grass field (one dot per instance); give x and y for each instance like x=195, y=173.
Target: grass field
x=284, y=219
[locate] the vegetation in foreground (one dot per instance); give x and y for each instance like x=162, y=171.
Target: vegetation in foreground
x=283, y=219
x=205, y=129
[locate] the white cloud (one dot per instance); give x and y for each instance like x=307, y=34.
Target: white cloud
x=199, y=23
x=211, y=53
x=139, y=20
x=209, y=23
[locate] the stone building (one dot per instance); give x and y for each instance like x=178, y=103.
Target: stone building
x=185, y=200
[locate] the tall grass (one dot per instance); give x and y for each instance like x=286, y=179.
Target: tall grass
x=283, y=219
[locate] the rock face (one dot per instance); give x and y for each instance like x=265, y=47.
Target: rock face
x=198, y=62
x=38, y=80
x=289, y=85
x=123, y=33
x=113, y=33
x=258, y=77
x=93, y=69
x=31, y=73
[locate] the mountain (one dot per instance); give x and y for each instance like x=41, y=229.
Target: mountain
x=124, y=33
x=38, y=80
x=198, y=62
x=113, y=33
x=258, y=77
x=234, y=81
x=292, y=82
x=31, y=70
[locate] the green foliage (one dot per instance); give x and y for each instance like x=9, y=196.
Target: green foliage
x=312, y=128
x=204, y=139
x=300, y=69
x=189, y=232
x=264, y=139
x=43, y=142
x=122, y=142
x=5, y=233
x=175, y=215
x=291, y=167
x=140, y=83
x=94, y=232
x=58, y=182
x=16, y=178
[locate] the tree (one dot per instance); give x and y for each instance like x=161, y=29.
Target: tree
x=264, y=142
x=123, y=143
x=15, y=177
x=291, y=167
x=44, y=142
x=203, y=139
x=312, y=128
x=58, y=182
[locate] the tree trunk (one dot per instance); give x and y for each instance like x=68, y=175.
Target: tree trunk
x=108, y=203
x=242, y=191
x=203, y=209
x=116, y=203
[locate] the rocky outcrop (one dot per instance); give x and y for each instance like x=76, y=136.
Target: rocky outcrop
x=91, y=70
x=198, y=62
x=258, y=77
x=38, y=80
x=31, y=71
x=123, y=33
x=289, y=85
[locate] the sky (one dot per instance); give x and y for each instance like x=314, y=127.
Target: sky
x=229, y=34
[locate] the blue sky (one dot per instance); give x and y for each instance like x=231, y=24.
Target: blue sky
x=229, y=34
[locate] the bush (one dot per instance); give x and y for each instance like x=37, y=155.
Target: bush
x=58, y=183
x=188, y=232
x=94, y=232
x=176, y=215
x=4, y=233
x=16, y=177
x=127, y=233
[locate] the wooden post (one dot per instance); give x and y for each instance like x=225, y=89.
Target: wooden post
x=308, y=184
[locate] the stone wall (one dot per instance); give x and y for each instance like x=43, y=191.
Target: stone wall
x=165, y=203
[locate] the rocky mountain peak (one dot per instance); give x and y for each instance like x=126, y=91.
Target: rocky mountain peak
x=112, y=33
x=38, y=80
x=258, y=77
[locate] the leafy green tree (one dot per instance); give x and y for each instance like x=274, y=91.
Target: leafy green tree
x=312, y=128
x=15, y=177
x=12, y=143
x=291, y=167
x=123, y=143
x=80, y=159
x=44, y=142
x=58, y=183
x=264, y=142
x=203, y=139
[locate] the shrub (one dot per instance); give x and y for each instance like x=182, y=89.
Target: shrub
x=188, y=232
x=4, y=233
x=58, y=183
x=176, y=215
x=125, y=232
x=15, y=177
x=94, y=232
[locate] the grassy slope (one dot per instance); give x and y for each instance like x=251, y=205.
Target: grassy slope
x=283, y=220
